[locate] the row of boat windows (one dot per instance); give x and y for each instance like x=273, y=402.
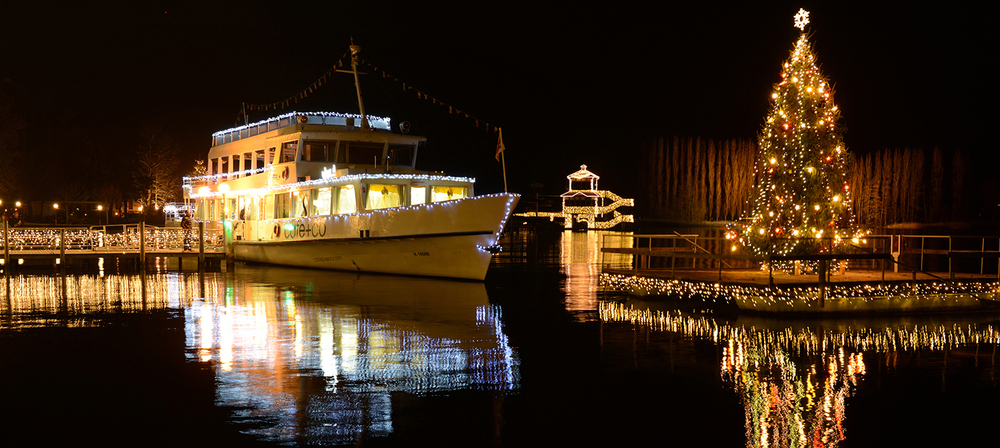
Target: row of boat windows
x=342, y=152
x=325, y=201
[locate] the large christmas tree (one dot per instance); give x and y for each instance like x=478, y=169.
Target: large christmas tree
x=801, y=197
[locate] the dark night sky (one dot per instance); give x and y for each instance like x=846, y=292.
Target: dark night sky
x=569, y=83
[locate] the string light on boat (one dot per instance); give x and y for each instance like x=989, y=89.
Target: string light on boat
x=371, y=118
x=337, y=181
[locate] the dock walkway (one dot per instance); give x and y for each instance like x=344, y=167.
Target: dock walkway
x=135, y=243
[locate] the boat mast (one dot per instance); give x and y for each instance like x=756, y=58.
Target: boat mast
x=355, y=49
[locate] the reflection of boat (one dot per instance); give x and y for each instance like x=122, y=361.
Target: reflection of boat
x=323, y=358
x=436, y=307
x=340, y=191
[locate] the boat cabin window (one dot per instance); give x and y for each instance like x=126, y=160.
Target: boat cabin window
x=346, y=200
x=282, y=205
x=270, y=157
x=224, y=165
x=288, y=150
x=401, y=155
x=213, y=166
x=248, y=161
x=268, y=207
x=254, y=208
x=447, y=193
x=317, y=151
x=300, y=204
x=365, y=153
x=229, y=209
x=241, y=208
x=321, y=200
x=382, y=196
x=259, y=155
x=418, y=195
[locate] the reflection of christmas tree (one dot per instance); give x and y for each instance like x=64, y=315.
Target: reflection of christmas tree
x=789, y=404
x=801, y=199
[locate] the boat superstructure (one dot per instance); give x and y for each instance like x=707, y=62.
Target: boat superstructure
x=341, y=191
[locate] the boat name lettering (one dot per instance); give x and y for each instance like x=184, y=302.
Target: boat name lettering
x=321, y=259
x=302, y=228
x=421, y=254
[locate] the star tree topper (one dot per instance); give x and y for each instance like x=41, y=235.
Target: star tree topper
x=801, y=19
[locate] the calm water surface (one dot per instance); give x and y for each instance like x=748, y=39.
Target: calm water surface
x=536, y=356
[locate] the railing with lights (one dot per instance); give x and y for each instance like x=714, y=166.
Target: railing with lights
x=295, y=118
x=108, y=238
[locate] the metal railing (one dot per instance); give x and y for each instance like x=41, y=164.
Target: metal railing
x=107, y=238
x=918, y=253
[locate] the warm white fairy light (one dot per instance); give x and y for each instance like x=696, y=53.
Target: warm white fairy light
x=334, y=181
x=382, y=122
x=799, y=298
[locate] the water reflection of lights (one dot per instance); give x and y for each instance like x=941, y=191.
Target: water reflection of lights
x=581, y=261
x=321, y=362
x=27, y=294
x=794, y=382
x=806, y=341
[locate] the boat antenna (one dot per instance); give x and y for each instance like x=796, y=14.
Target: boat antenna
x=355, y=49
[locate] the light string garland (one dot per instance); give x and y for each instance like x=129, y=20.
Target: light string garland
x=792, y=298
x=298, y=96
x=425, y=96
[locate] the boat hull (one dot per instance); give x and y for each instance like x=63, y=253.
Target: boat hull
x=450, y=239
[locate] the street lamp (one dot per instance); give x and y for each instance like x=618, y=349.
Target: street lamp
x=55, y=218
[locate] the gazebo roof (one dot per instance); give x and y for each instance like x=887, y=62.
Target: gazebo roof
x=574, y=193
x=583, y=174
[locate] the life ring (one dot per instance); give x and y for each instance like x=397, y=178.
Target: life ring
x=303, y=119
x=277, y=230
x=284, y=174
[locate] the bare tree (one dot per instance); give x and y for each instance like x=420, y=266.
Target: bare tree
x=157, y=177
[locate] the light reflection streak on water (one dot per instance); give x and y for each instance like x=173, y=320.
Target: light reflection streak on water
x=581, y=260
x=326, y=370
x=794, y=382
x=80, y=294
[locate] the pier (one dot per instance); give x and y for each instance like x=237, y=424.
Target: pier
x=134, y=244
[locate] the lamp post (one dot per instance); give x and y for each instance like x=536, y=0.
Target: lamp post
x=55, y=214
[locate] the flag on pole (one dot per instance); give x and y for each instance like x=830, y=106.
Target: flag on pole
x=500, y=146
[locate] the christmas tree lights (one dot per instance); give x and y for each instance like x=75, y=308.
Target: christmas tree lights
x=801, y=200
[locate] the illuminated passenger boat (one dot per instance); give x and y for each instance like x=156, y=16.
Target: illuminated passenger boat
x=341, y=191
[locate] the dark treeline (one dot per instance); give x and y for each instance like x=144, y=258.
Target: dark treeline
x=693, y=180
x=696, y=180
x=63, y=156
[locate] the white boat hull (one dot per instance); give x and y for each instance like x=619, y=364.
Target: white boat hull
x=443, y=239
